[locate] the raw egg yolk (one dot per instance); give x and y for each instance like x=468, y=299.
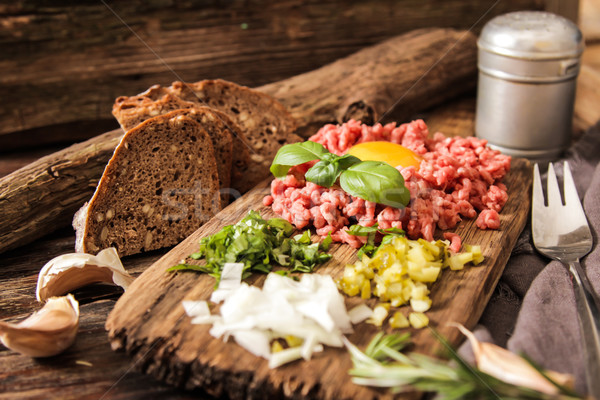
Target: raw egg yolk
x=391, y=153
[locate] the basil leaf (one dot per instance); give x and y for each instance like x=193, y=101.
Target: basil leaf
x=330, y=157
x=376, y=181
x=323, y=173
x=325, y=243
x=394, y=231
x=295, y=154
x=359, y=230
x=303, y=238
x=190, y=267
x=281, y=225
x=327, y=171
x=348, y=160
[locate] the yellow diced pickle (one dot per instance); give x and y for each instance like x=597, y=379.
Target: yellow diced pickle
x=418, y=320
x=399, y=320
x=399, y=272
x=365, y=291
x=276, y=347
x=420, y=305
x=293, y=341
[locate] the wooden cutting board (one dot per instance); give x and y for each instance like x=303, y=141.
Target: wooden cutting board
x=149, y=322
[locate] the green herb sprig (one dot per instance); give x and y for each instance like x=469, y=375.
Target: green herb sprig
x=382, y=364
x=259, y=244
x=374, y=181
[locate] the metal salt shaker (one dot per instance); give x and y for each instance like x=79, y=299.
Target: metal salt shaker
x=528, y=64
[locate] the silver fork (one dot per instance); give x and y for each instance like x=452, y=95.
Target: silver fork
x=561, y=232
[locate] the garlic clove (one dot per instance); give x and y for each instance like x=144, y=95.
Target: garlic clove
x=71, y=271
x=509, y=367
x=47, y=332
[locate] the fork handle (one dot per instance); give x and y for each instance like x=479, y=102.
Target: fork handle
x=589, y=320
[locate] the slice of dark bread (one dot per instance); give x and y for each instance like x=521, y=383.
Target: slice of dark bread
x=160, y=185
x=219, y=127
x=266, y=123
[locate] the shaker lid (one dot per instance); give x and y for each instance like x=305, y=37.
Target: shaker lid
x=531, y=35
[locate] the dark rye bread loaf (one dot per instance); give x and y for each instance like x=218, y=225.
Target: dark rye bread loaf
x=160, y=185
x=266, y=124
x=219, y=127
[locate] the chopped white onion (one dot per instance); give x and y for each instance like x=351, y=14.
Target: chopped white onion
x=199, y=312
x=285, y=356
x=195, y=308
x=311, y=309
x=360, y=313
x=380, y=313
x=255, y=341
x=309, y=346
x=231, y=279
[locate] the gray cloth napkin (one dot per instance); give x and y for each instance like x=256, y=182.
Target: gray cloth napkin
x=532, y=310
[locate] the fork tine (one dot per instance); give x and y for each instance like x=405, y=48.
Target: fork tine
x=554, y=198
x=538, y=193
x=571, y=196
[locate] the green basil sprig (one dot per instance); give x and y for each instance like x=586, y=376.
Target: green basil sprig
x=374, y=181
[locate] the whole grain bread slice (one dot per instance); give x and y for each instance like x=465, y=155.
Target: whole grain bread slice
x=160, y=185
x=265, y=123
x=220, y=128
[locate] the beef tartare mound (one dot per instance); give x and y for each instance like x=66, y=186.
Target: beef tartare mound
x=456, y=178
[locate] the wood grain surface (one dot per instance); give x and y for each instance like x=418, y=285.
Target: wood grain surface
x=67, y=61
x=149, y=323
x=387, y=82
x=44, y=195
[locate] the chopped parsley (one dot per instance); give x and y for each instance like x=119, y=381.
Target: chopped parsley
x=258, y=244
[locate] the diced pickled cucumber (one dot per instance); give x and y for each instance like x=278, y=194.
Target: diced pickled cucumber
x=399, y=271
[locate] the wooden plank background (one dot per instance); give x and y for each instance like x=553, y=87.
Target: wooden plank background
x=61, y=81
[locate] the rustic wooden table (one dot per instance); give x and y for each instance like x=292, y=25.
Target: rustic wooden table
x=90, y=369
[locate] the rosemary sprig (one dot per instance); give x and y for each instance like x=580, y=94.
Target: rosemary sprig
x=382, y=364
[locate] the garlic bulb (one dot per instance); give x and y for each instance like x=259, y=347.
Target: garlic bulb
x=46, y=332
x=509, y=367
x=72, y=271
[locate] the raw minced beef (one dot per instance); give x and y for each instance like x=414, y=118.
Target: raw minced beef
x=457, y=178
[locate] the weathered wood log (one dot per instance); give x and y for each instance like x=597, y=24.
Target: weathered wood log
x=44, y=195
x=390, y=81
x=66, y=62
